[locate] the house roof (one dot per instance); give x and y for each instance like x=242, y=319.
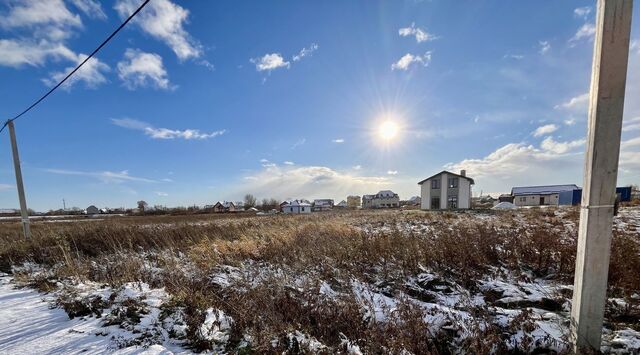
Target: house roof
x=385, y=193
x=542, y=190
x=297, y=203
x=448, y=173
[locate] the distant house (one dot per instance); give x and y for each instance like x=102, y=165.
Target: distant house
x=505, y=198
x=218, y=207
x=322, y=204
x=415, y=201
x=342, y=204
x=229, y=206
x=539, y=195
x=296, y=207
x=383, y=199
x=353, y=201
x=446, y=190
x=92, y=210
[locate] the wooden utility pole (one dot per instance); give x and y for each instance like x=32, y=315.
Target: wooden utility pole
x=606, y=102
x=16, y=165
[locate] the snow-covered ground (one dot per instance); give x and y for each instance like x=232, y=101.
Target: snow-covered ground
x=29, y=324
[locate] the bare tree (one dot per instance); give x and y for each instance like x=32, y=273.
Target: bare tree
x=142, y=205
x=249, y=201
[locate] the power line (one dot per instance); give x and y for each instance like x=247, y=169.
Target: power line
x=78, y=67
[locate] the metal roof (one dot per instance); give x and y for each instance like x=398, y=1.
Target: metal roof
x=448, y=173
x=542, y=190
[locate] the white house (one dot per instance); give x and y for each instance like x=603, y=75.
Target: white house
x=342, y=204
x=383, y=199
x=296, y=206
x=446, y=190
x=539, y=195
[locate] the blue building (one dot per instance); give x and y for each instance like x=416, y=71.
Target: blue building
x=574, y=197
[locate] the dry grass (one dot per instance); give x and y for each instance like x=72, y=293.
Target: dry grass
x=181, y=253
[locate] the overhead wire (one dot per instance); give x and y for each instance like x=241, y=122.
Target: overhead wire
x=77, y=67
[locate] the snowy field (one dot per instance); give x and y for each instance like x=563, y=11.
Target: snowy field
x=358, y=282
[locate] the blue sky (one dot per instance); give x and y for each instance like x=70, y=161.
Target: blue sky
x=200, y=101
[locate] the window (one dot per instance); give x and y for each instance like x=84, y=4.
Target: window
x=435, y=203
x=435, y=184
x=523, y=199
x=452, y=202
x=302, y=209
x=453, y=182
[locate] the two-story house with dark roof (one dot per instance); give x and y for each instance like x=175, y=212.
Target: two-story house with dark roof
x=446, y=190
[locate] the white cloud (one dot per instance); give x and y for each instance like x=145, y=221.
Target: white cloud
x=570, y=121
x=420, y=34
x=264, y=160
x=546, y=129
x=164, y=133
x=288, y=163
x=586, y=31
x=91, y=8
x=162, y=194
x=104, y=176
x=357, y=167
x=48, y=15
x=141, y=69
x=582, y=11
x=305, y=52
x=579, y=103
x=91, y=73
x=409, y=59
x=163, y=20
x=270, y=62
x=392, y=172
x=16, y=53
x=550, y=145
x=545, y=46
x=338, y=140
x=4, y=187
x=309, y=182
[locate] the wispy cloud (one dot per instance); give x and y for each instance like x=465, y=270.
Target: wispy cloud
x=551, y=145
x=298, y=143
x=91, y=8
x=513, y=56
x=139, y=69
x=162, y=194
x=92, y=74
x=338, y=140
x=104, y=176
x=165, y=21
x=4, y=187
x=164, y=133
x=577, y=103
x=305, y=52
x=582, y=12
x=392, y=172
x=409, y=59
x=420, y=34
x=545, y=47
x=586, y=31
x=544, y=130
x=288, y=163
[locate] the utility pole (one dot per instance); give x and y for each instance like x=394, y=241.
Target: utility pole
x=606, y=102
x=16, y=165
x=64, y=205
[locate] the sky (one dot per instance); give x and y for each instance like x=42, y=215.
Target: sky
x=202, y=101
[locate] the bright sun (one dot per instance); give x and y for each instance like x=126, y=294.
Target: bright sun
x=388, y=130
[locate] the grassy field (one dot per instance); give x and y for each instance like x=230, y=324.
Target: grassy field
x=353, y=281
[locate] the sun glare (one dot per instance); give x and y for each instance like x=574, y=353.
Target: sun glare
x=388, y=130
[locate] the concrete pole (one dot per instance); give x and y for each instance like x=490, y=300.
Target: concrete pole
x=606, y=102
x=16, y=165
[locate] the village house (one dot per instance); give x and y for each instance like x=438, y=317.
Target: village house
x=92, y=210
x=296, y=207
x=446, y=190
x=322, y=204
x=383, y=199
x=342, y=204
x=539, y=195
x=224, y=207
